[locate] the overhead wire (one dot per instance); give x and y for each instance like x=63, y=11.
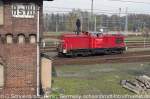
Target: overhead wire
x=56, y=9
x=131, y=1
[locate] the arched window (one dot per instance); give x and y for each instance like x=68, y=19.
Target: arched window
x=21, y=38
x=9, y=38
x=1, y=75
x=32, y=38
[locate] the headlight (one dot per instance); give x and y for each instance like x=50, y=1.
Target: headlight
x=64, y=51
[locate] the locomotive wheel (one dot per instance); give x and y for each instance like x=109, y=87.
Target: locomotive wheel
x=108, y=52
x=85, y=54
x=72, y=54
x=120, y=52
x=60, y=54
x=75, y=54
x=92, y=52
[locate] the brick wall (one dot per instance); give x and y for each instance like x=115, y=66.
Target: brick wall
x=20, y=68
x=19, y=59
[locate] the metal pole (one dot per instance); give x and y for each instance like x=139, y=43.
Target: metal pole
x=56, y=26
x=88, y=23
x=95, y=24
x=144, y=42
x=56, y=29
x=119, y=19
x=126, y=22
x=92, y=15
x=92, y=8
x=81, y=23
x=38, y=51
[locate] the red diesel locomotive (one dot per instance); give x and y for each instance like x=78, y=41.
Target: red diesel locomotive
x=91, y=43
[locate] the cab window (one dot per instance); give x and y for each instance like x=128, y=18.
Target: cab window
x=119, y=40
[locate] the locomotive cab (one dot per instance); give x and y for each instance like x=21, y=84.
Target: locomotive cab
x=61, y=49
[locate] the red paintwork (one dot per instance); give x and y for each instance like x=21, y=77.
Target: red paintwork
x=76, y=41
x=107, y=41
x=89, y=41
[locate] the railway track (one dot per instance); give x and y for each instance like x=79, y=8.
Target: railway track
x=119, y=58
x=138, y=44
x=48, y=49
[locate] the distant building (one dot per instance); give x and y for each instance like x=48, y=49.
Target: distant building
x=20, y=30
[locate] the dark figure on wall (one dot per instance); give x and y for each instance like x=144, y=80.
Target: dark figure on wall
x=78, y=25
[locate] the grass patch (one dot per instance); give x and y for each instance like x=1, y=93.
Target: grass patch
x=56, y=33
x=53, y=33
x=97, y=79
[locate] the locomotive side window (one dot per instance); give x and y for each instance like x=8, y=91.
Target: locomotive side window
x=119, y=40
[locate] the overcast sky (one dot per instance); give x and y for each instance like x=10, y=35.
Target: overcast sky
x=99, y=6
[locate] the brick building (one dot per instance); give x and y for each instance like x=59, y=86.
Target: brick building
x=19, y=47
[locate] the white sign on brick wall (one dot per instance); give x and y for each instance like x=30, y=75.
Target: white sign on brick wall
x=21, y=10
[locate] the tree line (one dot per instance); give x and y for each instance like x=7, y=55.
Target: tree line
x=66, y=21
